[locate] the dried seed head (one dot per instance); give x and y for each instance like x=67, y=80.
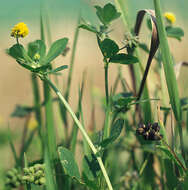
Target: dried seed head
x=140, y=131
x=149, y=131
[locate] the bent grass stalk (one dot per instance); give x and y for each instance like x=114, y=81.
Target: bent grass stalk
x=94, y=150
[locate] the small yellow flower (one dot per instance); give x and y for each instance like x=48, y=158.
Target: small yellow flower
x=170, y=17
x=36, y=57
x=33, y=124
x=20, y=30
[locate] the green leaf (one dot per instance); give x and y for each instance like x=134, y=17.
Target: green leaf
x=184, y=101
x=171, y=178
x=144, y=47
x=116, y=129
x=55, y=50
x=68, y=163
x=25, y=65
x=91, y=167
x=41, y=68
x=185, y=182
x=174, y=32
x=165, y=108
x=108, y=47
x=107, y=14
x=91, y=184
x=170, y=156
x=123, y=59
x=35, y=47
x=21, y=111
x=18, y=52
x=121, y=101
x=58, y=69
x=89, y=28
x=114, y=133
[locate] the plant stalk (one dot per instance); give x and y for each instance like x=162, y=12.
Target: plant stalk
x=169, y=71
x=94, y=150
x=37, y=105
x=49, y=121
x=106, y=81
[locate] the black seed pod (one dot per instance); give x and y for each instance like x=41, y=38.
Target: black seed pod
x=149, y=131
x=156, y=127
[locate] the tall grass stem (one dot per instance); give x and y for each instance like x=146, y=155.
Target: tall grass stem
x=169, y=71
x=94, y=150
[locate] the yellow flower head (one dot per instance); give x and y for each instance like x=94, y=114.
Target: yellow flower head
x=20, y=30
x=36, y=57
x=170, y=17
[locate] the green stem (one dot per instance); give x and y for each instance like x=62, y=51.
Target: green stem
x=28, y=186
x=122, y=7
x=169, y=71
x=107, y=111
x=49, y=121
x=175, y=156
x=37, y=105
x=17, y=41
x=82, y=131
x=106, y=81
x=72, y=61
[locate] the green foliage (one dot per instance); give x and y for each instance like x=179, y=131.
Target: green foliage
x=35, y=60
x=55, y=50
x=107, y=14
x=115, y=132
x=122, y=101
x=88, y=27
x=175, y=32
x=18, y=52
x=68, y=163
x=58, y=69
x=123, y=59
x=91, y=167
x=108, y=47
x=170, y=155
x=37, y=47
x=21, y=111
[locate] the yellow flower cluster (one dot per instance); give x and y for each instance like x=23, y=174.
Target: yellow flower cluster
x=20, y=30
x=170, y=17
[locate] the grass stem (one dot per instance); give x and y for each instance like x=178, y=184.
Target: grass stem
x=106, y=82
x=94, y=150
x=169, y=71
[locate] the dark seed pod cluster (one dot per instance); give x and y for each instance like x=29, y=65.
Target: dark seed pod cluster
x=149, y=131
x=13, y=178
x=34, y=174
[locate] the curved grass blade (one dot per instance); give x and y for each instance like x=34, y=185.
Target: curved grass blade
x=154, y=43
